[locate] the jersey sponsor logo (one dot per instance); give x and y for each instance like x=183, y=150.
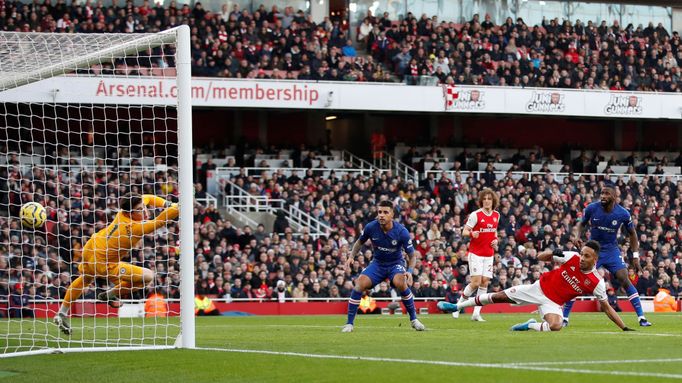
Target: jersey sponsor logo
x=572, y=281
x=606, y=228
x=387, y=249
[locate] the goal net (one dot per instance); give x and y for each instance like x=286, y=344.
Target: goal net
x=80, y=136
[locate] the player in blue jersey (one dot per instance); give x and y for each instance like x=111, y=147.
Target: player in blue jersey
x=389, y=239
x=606, y=218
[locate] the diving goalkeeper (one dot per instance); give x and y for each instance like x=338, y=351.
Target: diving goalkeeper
x=103, y=252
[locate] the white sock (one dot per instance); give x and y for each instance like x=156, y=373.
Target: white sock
x=471, y=302
x=64, y=309
x=544, y=326
x=481, y=291
x=468, y=291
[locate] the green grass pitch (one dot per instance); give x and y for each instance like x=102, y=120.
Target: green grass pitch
x=382, y=349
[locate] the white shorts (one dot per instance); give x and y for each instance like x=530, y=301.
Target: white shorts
x=481, y=266
x=533, y=295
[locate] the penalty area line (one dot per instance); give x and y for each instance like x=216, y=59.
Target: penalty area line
x=558, y=363
x=509, y=366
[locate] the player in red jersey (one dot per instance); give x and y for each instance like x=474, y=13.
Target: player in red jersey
x=576, y=276
x=482, y=228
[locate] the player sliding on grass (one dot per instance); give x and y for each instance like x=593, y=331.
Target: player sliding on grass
x=606, y=218
x=389, y=239
x=103, y=252
x=576, y=276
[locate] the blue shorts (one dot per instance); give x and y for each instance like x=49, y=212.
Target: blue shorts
x=611, y=260
x=378, y=272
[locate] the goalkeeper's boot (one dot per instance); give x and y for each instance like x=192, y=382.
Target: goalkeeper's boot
x=62, y=321
x=522, y=326
x=347, y=328
x=113, y=302
x=447, y=307
x=644, y=323
x=417, y=325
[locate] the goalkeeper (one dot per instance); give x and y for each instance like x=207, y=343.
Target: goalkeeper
x=103, y=252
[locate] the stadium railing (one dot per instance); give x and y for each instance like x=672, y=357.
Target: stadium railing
x=450, y=174
x=240, y=202
x=401, y=169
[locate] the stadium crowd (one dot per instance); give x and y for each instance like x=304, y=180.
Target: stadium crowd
x=274, y=43
x=246, y=262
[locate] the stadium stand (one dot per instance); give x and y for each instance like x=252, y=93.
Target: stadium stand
x=235, y=261
x=274, y=44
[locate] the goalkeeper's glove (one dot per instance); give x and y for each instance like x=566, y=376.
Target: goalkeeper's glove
x=558, y=252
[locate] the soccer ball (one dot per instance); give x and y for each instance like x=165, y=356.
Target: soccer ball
x=33, y=215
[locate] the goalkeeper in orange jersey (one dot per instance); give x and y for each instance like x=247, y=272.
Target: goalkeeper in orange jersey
x=102, y=253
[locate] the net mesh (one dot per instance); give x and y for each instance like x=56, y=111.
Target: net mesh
x=77, y=161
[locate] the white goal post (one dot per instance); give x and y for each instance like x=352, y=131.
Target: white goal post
x=78, y=159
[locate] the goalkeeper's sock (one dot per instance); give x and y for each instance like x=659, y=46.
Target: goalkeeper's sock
x=633, y=297
x=353, y=304
x=544, y=326
x=64, y=309
x=408, y=302
x=73, y=292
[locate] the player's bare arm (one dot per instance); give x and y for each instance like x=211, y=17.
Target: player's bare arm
x=353, y=253
x=411, y=263
x=634, y=246
x=469, y=232
x=613, y=315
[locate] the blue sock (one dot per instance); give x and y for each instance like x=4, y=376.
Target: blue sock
x=408, y=301
x=633, y=297
x=353, y=304
x=567, y=308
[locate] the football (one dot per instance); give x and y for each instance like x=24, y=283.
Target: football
x=33, y=215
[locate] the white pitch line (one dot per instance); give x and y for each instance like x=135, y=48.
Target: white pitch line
x=661, y=360
x=446, y=363
x=629, y=333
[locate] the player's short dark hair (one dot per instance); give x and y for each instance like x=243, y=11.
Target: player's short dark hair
x=129, y=201
x=609, y=184
x=386, y=203
x=594, y=245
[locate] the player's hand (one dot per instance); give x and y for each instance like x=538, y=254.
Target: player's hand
x=494, y=244
x=474, y=234
x=408, y=279
x=627, y=329
x=346, y=265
